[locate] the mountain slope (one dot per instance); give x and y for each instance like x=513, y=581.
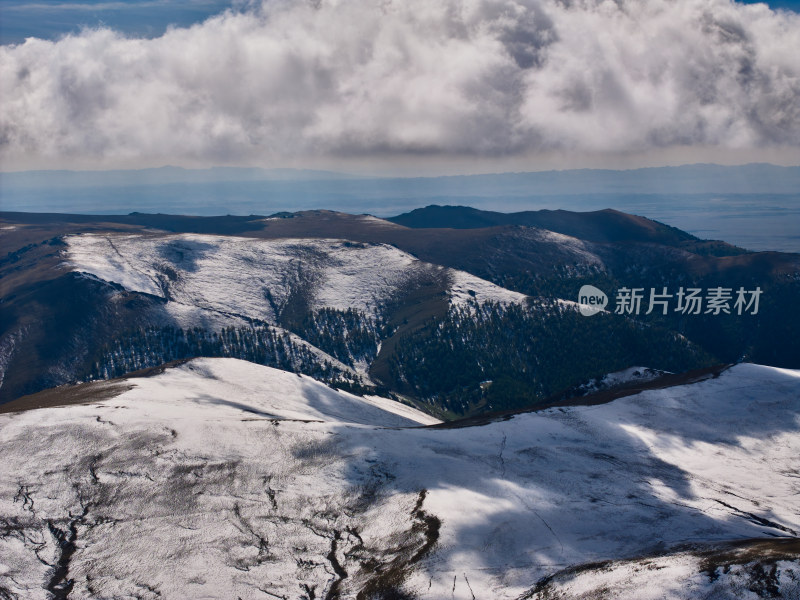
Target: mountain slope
x=356, y=300
x=116, y=302
x=596, y=226
x=254, y=483
x=260, y=279
x=384, y=298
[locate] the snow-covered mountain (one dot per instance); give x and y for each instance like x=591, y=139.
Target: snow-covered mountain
x=258, y=279
x=429, y=311
x=223, y=479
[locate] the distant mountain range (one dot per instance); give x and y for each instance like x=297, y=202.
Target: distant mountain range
x=597, y=226
x=427, y=312
x=686, y=179
x=755, y=206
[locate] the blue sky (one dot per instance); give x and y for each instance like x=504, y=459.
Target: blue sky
x=50, y=19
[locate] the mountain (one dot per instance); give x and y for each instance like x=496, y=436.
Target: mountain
x=596, y=226
x=218, y=478
x=371, y=306
x=751, y=206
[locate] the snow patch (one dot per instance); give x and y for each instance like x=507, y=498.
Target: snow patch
x=465, y=289
x=623, y=377
x=257, y=279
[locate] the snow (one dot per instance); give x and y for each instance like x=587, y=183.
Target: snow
x=234, y=276
x=401, y=410
x=214, y=282
x=671, y=577
x=568, y=304
x=623, y=377
x=482, y=291
x=220, y=385
x=377, y=222
x=220, y=479
x=582, y=250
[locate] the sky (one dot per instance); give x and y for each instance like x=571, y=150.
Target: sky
x=390, y=87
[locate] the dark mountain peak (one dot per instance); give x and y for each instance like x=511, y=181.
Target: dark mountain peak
x=605, y=225
x=436, y=216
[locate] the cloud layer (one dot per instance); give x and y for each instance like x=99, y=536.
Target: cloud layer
x=294, y=80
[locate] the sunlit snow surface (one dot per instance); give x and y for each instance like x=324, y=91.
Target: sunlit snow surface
x=223, y=479
x=252, y=278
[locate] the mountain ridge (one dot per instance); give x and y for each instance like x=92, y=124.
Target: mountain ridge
x=266, y=480
x=96, y=297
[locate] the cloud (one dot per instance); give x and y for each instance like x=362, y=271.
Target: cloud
x=486, y=78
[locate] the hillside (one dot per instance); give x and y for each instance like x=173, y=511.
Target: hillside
x=596, y=226
x=367, y=305
x=253, y=482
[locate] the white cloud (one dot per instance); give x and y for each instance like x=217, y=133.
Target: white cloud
x=295, y=80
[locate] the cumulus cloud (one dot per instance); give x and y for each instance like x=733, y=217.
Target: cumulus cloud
x=296, y=79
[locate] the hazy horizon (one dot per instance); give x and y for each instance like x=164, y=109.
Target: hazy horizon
x=755, y=206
